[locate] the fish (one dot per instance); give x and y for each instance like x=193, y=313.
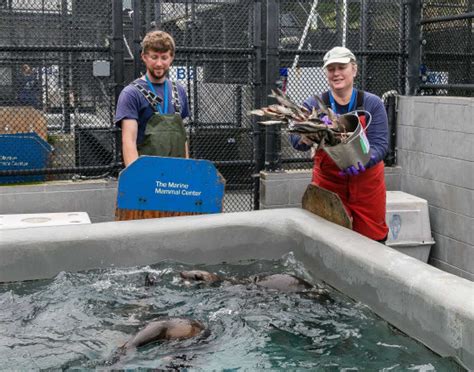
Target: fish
x=321, y=125
x=271, y=122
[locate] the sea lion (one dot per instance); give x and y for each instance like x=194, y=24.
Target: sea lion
x=165, y=329
x=150, y=280
x=283, y=283
x=200, y=276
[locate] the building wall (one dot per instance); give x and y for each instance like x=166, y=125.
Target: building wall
x=435, y=141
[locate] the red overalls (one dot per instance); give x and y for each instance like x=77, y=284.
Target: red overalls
x=363, y=195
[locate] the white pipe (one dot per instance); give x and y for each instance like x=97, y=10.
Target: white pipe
x=305, y=32
x=344, y=23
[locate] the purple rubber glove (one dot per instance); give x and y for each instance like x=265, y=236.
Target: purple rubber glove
x=325, y=119
x=354, y=171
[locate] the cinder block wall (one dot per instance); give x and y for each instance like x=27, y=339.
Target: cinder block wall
x=435, y=140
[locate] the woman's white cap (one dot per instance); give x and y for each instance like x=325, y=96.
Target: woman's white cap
x=338, y=55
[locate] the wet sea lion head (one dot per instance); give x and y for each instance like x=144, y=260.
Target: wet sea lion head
x=200, y=276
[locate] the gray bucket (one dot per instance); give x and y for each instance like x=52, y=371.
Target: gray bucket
x=356, y=148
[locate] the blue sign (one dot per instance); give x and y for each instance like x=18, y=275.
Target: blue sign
x=23, y=151
x=183, y=72
x=156, y=183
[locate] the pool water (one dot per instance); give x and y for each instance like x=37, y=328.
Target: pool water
x=79, y=320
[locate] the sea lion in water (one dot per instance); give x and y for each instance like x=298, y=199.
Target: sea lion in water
x=200, y=276
x=284, y=283
x=281, y=282
x=165, y=329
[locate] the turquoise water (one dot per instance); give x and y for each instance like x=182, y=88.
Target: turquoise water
x=78, y=320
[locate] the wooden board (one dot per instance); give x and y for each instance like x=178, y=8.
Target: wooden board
x=131, y=214
x=326, y=204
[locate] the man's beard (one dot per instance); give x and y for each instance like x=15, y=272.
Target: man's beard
x=151, y=73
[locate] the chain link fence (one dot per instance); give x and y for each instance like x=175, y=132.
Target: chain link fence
x=447, y=48
x=215, y=62
x=54, y=110
x=64, y=62
x=375, y=31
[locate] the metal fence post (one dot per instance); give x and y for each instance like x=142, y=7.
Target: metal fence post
x=137, y=23
x=402, y=62
x=157, y=17
x=364, y=26
x=414, y=46
x=273, y=133
x=65, y=66
x=117, y=47
x=258, y=137
x=391, y=107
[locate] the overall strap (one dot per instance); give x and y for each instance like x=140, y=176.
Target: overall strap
x=151, y=97
x=175, y=97
x=360, y=99
x=325, y=98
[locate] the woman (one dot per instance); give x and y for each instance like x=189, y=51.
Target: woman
x=361, y=189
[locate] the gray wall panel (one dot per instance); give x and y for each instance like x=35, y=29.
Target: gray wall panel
x=436, y=154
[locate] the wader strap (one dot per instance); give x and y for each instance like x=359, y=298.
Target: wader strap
x=175, y=98
x=360, y=99
x=151, y=97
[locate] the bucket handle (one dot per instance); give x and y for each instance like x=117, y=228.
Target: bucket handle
x=368, y=115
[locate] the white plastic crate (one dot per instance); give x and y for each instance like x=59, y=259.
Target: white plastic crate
x=21, y=221
x=409, y=223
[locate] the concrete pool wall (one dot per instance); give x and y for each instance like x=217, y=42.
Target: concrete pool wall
x=432, y=306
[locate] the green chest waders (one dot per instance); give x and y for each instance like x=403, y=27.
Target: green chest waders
x=164, y=133
x=164, y=136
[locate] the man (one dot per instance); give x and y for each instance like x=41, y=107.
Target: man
x=361, y=189
x=151, y=109
x=29, y=87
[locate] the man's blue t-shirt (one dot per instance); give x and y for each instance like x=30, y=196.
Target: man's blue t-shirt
x=377, y=133
x=133, y=105
x=29, y=92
